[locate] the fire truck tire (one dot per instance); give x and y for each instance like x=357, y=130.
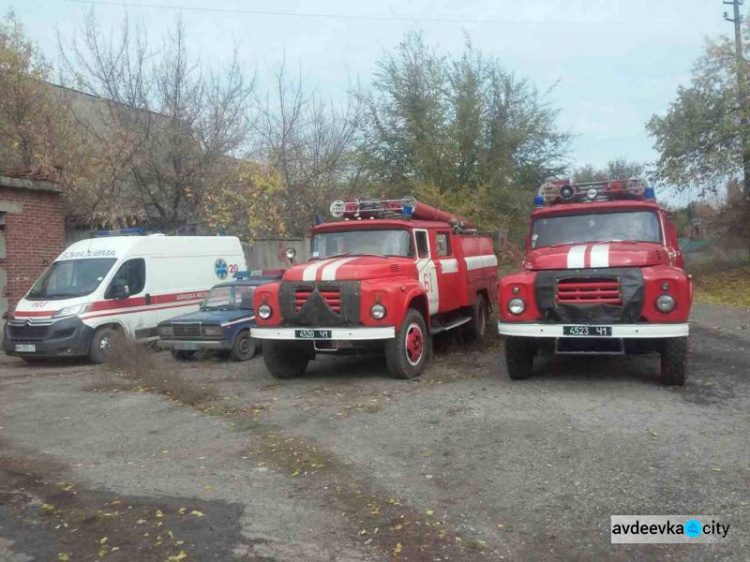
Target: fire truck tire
x=519, y=356
x=244, y=347
x=674, y=361
x=406, y=355
x=476, y=329
x=285, y=360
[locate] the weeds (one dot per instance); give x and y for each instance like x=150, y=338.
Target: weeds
x=132, y=366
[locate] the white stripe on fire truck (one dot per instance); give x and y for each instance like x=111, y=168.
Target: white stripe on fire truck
x=311, y=270
x=600, y=255
x=329, y=271
x=576, y=257
x=478, y=262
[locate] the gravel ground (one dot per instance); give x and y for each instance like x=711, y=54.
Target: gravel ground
x=348, y=464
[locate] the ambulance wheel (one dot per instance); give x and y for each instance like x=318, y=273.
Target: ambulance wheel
x=406, y=354
x=476, y=328
x=183, y=355
x=244, y=347
x=519, y=356
x=102, y=344
x=286, y=360
x=674, y=361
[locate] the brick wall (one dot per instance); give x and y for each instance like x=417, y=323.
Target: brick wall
x=34, y=236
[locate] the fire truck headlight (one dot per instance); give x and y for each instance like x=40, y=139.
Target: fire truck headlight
x=666, y=303
x=516, y=306
x=591, y=194
x=377, y=311
x=265, y=311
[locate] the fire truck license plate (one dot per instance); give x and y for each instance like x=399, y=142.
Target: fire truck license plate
x=312, y=334
x=597, y=331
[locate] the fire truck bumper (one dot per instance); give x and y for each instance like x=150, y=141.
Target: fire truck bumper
x=339, y=334
x=622, y=331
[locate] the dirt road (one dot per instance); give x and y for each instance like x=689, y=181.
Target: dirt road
x=348, y=464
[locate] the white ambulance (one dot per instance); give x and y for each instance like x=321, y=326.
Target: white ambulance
x=100, y=287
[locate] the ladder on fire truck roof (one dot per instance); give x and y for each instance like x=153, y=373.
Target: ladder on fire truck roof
x=404, y=208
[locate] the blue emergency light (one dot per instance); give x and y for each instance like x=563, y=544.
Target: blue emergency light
x=135, y=231
x=649, y=194
x=538, y=201
x=408, y=211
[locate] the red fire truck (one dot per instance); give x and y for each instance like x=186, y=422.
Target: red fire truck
x=387, y=275
x=603, y=274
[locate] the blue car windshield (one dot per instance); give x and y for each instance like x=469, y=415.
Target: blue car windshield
x=229, y=297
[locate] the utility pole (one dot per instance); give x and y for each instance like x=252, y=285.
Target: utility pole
x=741, y=92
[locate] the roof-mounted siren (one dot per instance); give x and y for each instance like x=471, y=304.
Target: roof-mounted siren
x=553, y=191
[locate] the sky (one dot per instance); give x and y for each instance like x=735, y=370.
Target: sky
x=608, y=65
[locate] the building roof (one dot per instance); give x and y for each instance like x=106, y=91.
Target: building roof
x=29, y=178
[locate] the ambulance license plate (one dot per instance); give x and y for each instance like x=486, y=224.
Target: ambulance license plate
x=312, y=334
x=592, y=331
x=25, y=348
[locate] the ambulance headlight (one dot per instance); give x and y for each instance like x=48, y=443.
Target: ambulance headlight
x=212, y=331
x=377, y=311
x=516, y=306
x=265, y=311
x=72, y=310
x=165, y=331
x=666, y=303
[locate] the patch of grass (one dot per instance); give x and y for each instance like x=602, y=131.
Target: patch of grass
x=132, y=362
x=729, y=286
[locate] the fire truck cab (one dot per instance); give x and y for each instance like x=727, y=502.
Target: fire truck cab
x=387, y=275
x=603, y=274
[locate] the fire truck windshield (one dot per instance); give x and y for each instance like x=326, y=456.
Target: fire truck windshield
x=362, y=242
x=635, y=226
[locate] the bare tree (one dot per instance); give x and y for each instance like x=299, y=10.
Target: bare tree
x=312, y=144
x=167, y=130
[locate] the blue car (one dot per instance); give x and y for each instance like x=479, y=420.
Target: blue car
x=222, y=324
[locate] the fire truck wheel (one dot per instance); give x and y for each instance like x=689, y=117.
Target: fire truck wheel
x=406, y=354
x=477, y=327
x=674, y=361
x=519, y=356
x=244, y=347
x=285, y=360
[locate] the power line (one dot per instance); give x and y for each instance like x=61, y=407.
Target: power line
x=336, y=16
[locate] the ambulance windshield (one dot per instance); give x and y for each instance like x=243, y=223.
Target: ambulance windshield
x=362, y=242
x=633, y=226
x=70, y=278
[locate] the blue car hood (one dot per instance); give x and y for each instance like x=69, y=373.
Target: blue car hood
x=212, y=316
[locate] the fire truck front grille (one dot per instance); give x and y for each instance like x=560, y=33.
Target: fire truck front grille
x=27, y=333
x=589, y=291
x=331, y=296
x=187, y=330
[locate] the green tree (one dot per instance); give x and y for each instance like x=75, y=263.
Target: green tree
x=462, y=127
x=701, y=137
